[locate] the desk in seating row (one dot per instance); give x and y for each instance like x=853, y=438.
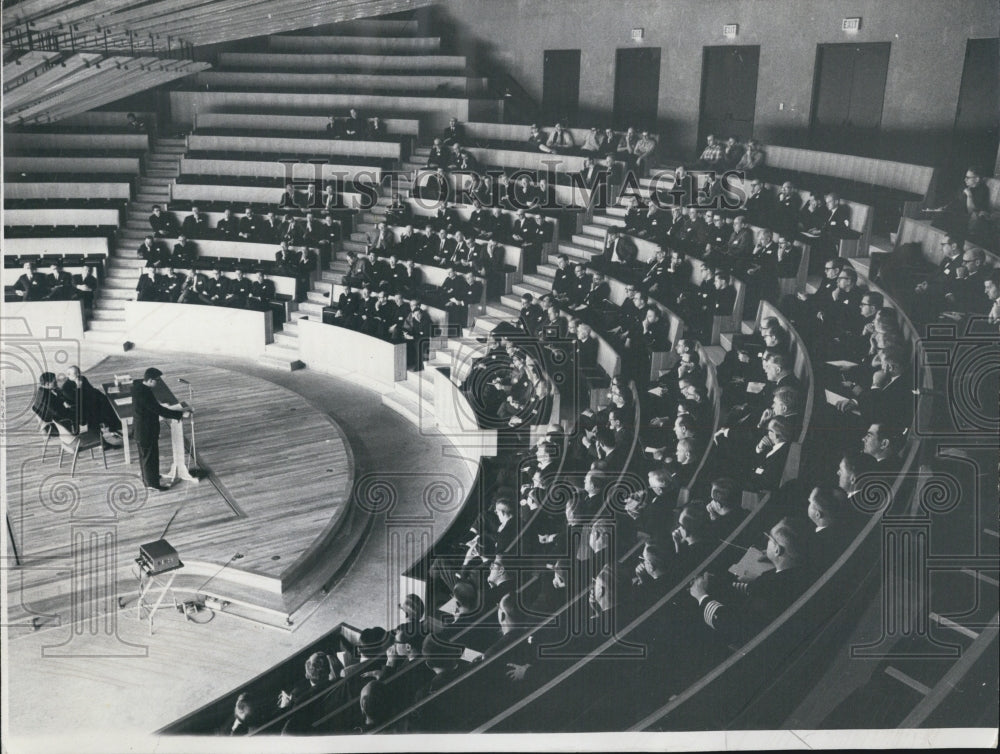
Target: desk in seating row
x=413, y=83
x=77, y=165
x=287, y=172
x=291, y=147
x=26, y=141
x=68, y=190
x=296, y=123
x=63, y=216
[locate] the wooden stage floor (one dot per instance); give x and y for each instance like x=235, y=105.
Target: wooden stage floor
x=280, y=473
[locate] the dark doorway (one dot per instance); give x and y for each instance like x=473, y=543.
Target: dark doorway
x=728, y=92
x=637, y=87
x=848, y=94
x=976, y=128
x=561, y=86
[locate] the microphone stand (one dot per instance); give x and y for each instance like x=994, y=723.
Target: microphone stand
x=194, y=457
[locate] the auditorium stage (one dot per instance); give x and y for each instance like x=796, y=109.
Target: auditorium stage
x=277, y=475
x=109, y=674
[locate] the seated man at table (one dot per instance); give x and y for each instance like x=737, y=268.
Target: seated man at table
x=163, y=223
x=169, y=285
x=92, y=406
x=208, y=288
x=51, y=406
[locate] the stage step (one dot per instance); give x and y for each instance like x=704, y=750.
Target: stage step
x=586, y=241
x=282, y=357
x=521, y=288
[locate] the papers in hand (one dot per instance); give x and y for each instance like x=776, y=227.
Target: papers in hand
x=657, y=391
x=842, y=364
x=755, y=387
x=751, y=565
x=835, y=400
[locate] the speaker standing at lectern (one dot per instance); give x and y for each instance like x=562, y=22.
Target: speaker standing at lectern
x=146, y=412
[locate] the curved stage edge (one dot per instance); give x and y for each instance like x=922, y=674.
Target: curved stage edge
x=270, y=513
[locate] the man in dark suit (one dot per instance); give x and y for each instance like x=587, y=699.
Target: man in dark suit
x=267, y=229
x=619, y=251
x=827, y=510
x=228, y=228
x=164, y=224
x=237, y=297
x=169, y=285
x=146, y=412
x=417, y=333
x=147, y=288
x=195, y=225
x=184, y=253
x=152, y=251
x=60, y=284
x=261, y=293
x=31, y=286
x=753, y=605
x=247, y=225
x=453, y=134
x=760, y=204
x=52, y=406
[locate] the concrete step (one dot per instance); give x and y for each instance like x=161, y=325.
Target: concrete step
x=279, y=357
x=506, y=313
x=316, y=297
x=486, y=324
x=357, y=246
x=116, y=315
x=540, y=279
x=108, y=325
x=576, y=251
x=514, y=302
x=117, y=293
x=521, y=288
x=312, y=308
x=590, y=242
x=107, y=339
x=287, y=338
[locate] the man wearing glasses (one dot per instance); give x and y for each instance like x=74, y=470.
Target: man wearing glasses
x=969, y=210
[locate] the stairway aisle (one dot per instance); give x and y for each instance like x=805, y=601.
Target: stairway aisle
x=107, y=326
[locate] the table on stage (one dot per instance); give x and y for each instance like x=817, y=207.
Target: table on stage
x=120, y=395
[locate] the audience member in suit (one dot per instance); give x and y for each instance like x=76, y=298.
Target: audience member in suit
x=417, y=333
x=725, y=511
x=970, y=293
x=653, y=510
x=228, y=227
x=31, y=285
x=968, y=212
x=787, y=207
x=767, y=464
x=152, y=251
x=169, y=285
x=184, y=253
x=60, y=284
x=268, y=229
x=146, y=289
x=163, y=224
x=827, y=510
x=740, y=611
x=454, y=133
x=243, y=718
x=620, y=251
x=195, y=225
x=760, y=204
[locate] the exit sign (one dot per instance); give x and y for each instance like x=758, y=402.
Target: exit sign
x=638, y=34
x=729, y=31
x=850, y=24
